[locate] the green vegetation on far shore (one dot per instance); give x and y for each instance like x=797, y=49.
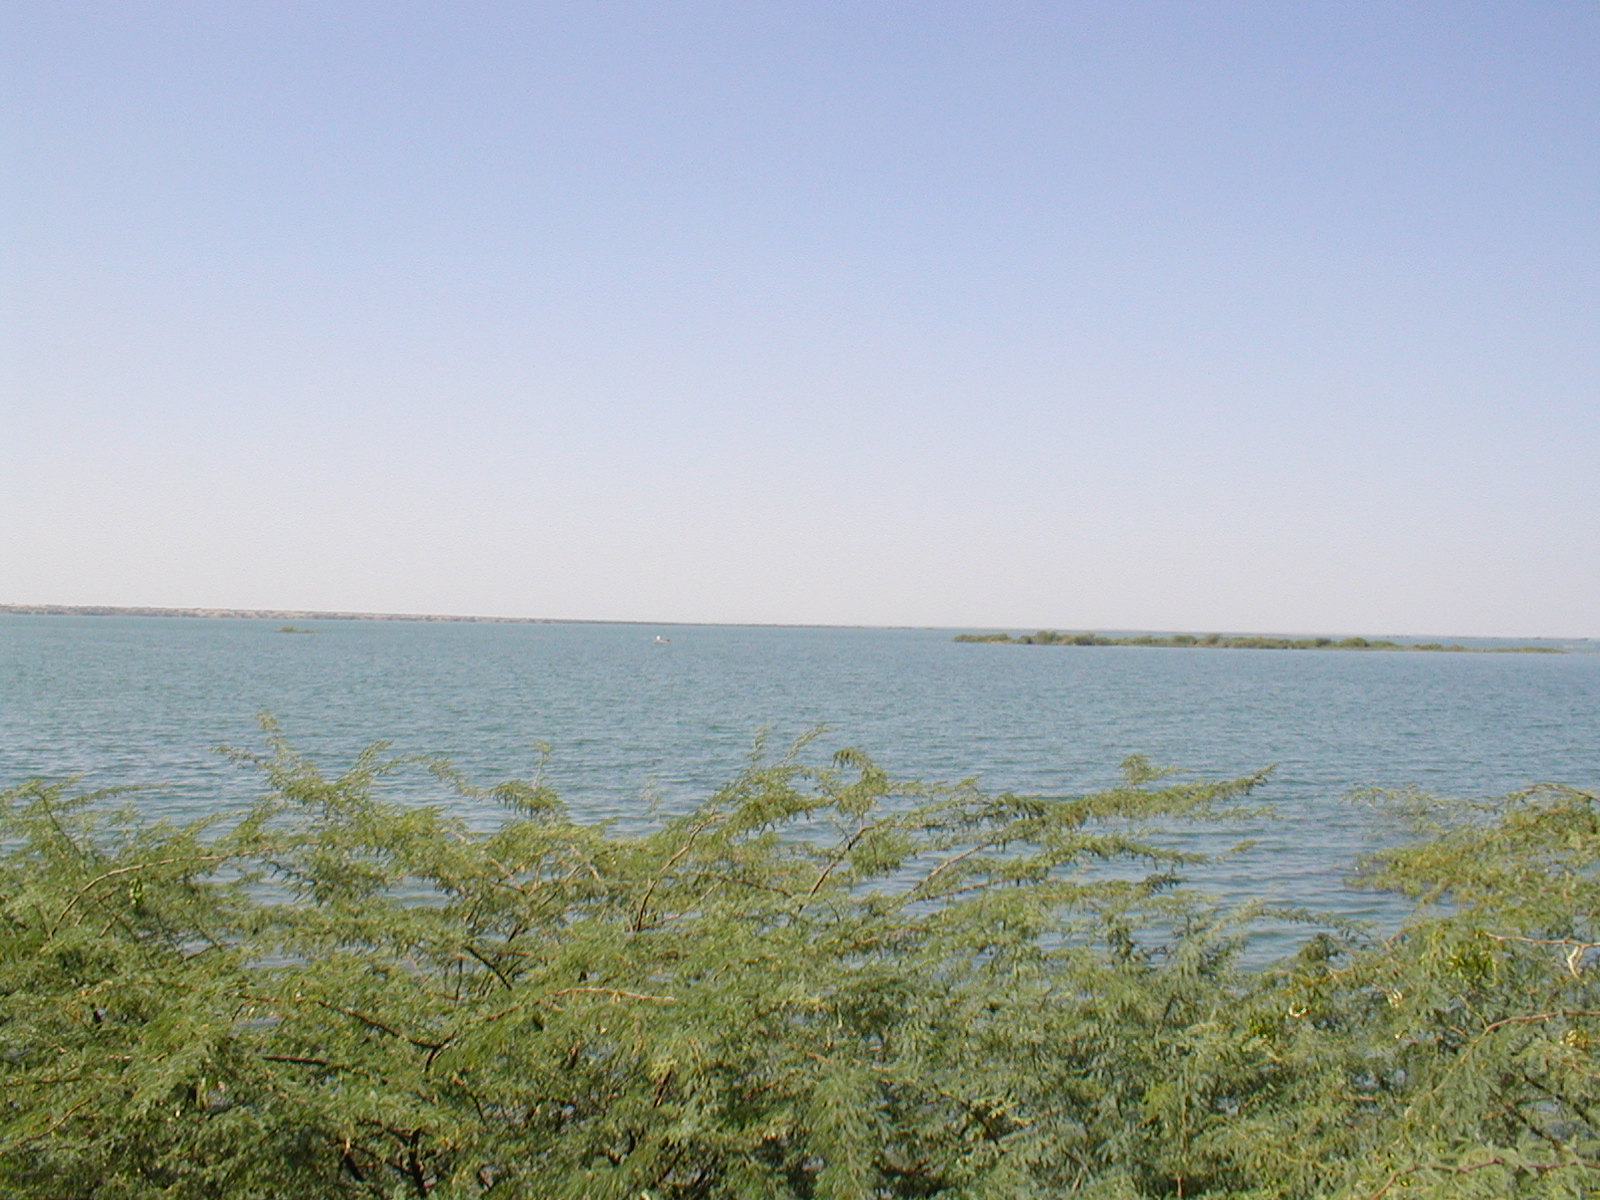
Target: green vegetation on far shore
x=1051, y=637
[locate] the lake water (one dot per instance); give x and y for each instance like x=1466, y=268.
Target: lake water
x=630, y=723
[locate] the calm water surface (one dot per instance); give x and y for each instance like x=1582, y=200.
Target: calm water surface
x=629, y=722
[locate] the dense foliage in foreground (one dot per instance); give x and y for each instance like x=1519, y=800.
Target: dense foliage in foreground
x=821, y=983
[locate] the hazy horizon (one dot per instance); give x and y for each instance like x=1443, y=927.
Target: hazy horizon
x=246, y=612
x=1233, y=317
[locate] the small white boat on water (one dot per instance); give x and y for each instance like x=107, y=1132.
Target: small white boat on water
x=662, y=641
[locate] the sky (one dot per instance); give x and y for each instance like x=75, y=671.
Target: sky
x=1222, y=316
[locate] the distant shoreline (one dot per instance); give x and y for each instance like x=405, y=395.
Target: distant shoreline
x=308, y=614
x=1253, y=641
x=268, y=614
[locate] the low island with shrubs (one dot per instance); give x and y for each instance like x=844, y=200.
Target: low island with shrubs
x=1253, y=641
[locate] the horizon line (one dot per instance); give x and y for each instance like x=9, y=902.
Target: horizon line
x=208, y=612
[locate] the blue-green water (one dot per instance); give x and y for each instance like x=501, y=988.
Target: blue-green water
x=629, y=722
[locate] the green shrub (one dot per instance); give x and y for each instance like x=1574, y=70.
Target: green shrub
x=819, y=983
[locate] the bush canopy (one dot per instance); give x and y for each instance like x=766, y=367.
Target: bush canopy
x=820, y=984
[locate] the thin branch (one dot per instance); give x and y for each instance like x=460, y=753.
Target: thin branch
x=644, y=903
x=1540, y=1168
x=844, y=853
x=57, y=1123
x=101, y=878
x=1544, y=1016
x=498, y=973
x=614, y=993
x=374, y=1023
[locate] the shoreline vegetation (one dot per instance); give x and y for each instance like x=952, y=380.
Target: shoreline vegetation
x=820, y=984
x=1050, y=637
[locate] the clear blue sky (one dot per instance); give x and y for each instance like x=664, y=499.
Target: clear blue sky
x=1238, y=316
